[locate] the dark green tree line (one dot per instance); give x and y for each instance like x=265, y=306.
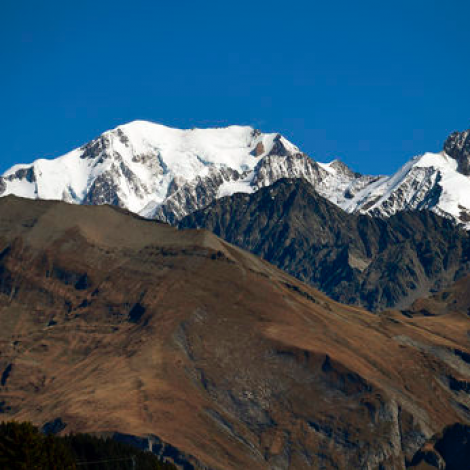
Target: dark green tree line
x=24, y=447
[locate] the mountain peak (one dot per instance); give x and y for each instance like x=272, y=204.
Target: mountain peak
x=140, y=165
x=142, y=125
x=338, y=166
x=457, y=146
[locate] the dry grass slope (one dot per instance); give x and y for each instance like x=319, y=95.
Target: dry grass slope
x=114, y=323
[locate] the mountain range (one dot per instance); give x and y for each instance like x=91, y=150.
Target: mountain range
x=124, y=314
x=164, y=173
x=112, y=323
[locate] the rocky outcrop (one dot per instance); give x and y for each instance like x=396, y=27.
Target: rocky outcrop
x=457, y=146
x=184, y=197
x=165, y=451
x=447, y=450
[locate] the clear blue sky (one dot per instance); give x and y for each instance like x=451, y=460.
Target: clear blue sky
x=370, y=82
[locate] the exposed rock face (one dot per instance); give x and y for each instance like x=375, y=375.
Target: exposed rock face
x=113, y=323
x=184, y=196
x=335, y=185
x=453, y=299
x=104, y=190
x=164, y=450
x=356, y=259
x=23, y=174
x=457, y=146
x=419, y=190
x=447, y=450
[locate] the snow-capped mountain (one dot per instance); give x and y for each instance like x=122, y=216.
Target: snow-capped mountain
x=165, y=173
x=436, y=181
x=157, y=171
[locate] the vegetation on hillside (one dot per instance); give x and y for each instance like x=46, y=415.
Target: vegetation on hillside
x=24, y=447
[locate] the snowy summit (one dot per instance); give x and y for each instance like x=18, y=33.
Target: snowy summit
x=165, y=173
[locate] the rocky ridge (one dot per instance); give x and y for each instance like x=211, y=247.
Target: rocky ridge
x=356, y=259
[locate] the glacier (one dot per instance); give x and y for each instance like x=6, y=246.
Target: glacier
x=166, y=173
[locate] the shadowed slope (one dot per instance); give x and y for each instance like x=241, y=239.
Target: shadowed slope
x=355, y=259
x=116, y=324
x=447, y=450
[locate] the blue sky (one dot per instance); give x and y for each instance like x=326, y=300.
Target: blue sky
x=372, y=83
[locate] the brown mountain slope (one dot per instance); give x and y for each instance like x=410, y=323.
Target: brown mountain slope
x=113, y=323
x=455, y=298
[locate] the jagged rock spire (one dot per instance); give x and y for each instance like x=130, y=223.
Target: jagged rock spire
x=457, y=146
